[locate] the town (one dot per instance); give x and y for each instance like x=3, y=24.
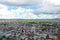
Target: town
x=17, y=30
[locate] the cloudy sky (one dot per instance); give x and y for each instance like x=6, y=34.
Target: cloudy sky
x=29, y=9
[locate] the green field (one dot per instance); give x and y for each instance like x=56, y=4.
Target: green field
x=28, y=20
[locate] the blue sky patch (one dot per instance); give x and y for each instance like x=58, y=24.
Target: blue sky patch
x=20, y=14
x=31, y=7
x=12, y=8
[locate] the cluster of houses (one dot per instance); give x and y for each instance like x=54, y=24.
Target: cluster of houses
x=30, y=30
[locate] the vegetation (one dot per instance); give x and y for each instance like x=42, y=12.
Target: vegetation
x=28, y=20
x=7, y=38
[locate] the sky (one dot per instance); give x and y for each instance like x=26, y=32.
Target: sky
x=29, y=9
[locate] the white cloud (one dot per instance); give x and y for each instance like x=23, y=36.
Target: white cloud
x=4, y=13
x=56, y=2
x=29, y=2
x=19, y=13
x=20, y=2
x=45, y=6
x=47, y=16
